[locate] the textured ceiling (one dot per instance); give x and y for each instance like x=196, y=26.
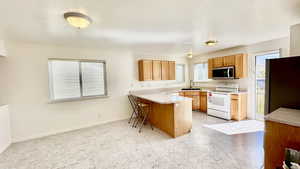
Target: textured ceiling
x=153, y=25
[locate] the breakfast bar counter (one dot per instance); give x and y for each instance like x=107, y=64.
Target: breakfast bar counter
x=169, y=112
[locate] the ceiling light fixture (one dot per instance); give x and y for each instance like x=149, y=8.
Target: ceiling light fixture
x=190, y=54
x=77, y=19
x=211, y=42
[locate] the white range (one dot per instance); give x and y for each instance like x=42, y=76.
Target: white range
x=219, y=101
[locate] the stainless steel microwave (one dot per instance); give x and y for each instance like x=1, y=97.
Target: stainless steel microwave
x=224, y=73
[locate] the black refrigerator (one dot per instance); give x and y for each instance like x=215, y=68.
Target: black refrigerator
x=282, y=83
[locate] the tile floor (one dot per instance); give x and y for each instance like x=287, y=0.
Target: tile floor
x=118, y=146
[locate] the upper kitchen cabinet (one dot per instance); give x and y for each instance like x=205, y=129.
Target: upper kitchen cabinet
x=172, y=70
x=239, y=61
x=210, y=67
x=164, y=70
x=218, y=62
x=156, y=66
x=156, y=70
x=145, y=70
x=229, y=60
x=241, y=67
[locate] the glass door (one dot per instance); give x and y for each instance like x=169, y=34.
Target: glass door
x=260, y=69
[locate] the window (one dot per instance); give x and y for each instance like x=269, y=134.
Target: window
x=201, y=72
x=180, y=73
x=76, y=79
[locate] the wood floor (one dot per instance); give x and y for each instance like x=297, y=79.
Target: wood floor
x=118, y=146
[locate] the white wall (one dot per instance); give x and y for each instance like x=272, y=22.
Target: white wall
x=295, y=40
x=3, y=82
x=5, y=134
x=249, y=82
x=27, y=94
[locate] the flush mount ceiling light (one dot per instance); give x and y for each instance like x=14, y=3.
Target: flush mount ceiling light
x=190, y=54
x=77, y=19
x=211, y=43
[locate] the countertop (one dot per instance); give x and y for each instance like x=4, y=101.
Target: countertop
x=208, y=90
x=162, y=98
x=285, y=116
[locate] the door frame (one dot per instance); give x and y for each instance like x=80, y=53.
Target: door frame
x=257, y=116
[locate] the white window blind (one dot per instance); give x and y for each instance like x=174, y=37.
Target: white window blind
x=75, y=79
x=93, y=82
x=65, y=79
x=201, y=72
x=180, y=72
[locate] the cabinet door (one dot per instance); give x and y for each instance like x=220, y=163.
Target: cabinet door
x=156, y=70
x=181, y=93
x=229, y=60
x=234, y=108
x=164, y=70
x=196, y=102
x=203, y=102
x=218, y=62
x=210, y=68
x=238, y=106
x=145, y=70
x=241, y=68
x=171, y=70
x=195, y=95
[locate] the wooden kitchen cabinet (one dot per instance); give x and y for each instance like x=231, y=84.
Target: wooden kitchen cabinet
x=241, y=68
x=171, y=70
x=210, y=68
x=156, y=66
x=281, y=132
x=203, y=102
x=156, y=70
x=181, y=93
x=145, y=70
x=229, y=60
x=164, y=70
x=195, y=101
x=238, y=106
x=239, y=61
x=218, y=62
x=195, y=95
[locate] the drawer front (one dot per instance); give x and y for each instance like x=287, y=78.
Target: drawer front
x=235, y=96
x=203, y=93
x=192, y=93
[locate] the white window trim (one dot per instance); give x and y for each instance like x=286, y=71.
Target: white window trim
x=184, y=70
x=80, y=74
x=253, y=88
x=204, y=62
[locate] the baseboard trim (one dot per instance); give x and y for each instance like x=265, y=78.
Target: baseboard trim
x=4, y=148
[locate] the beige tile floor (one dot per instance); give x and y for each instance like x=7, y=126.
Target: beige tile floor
x=118, y=146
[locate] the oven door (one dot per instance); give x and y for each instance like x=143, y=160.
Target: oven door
x=219, y=101
x=223, y=73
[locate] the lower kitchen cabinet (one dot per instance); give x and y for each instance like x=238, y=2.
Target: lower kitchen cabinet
x=199, y=101
x=238, y=106
x=203, y=102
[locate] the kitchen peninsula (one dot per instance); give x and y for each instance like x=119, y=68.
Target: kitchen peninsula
x=169, y=112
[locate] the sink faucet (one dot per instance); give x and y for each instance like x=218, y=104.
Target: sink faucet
x=191, y=83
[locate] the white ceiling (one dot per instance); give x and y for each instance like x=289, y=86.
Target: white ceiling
x=153, y=25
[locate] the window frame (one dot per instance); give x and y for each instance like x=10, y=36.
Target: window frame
x=184, y=69
x=207, y=80
x=50, y=83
